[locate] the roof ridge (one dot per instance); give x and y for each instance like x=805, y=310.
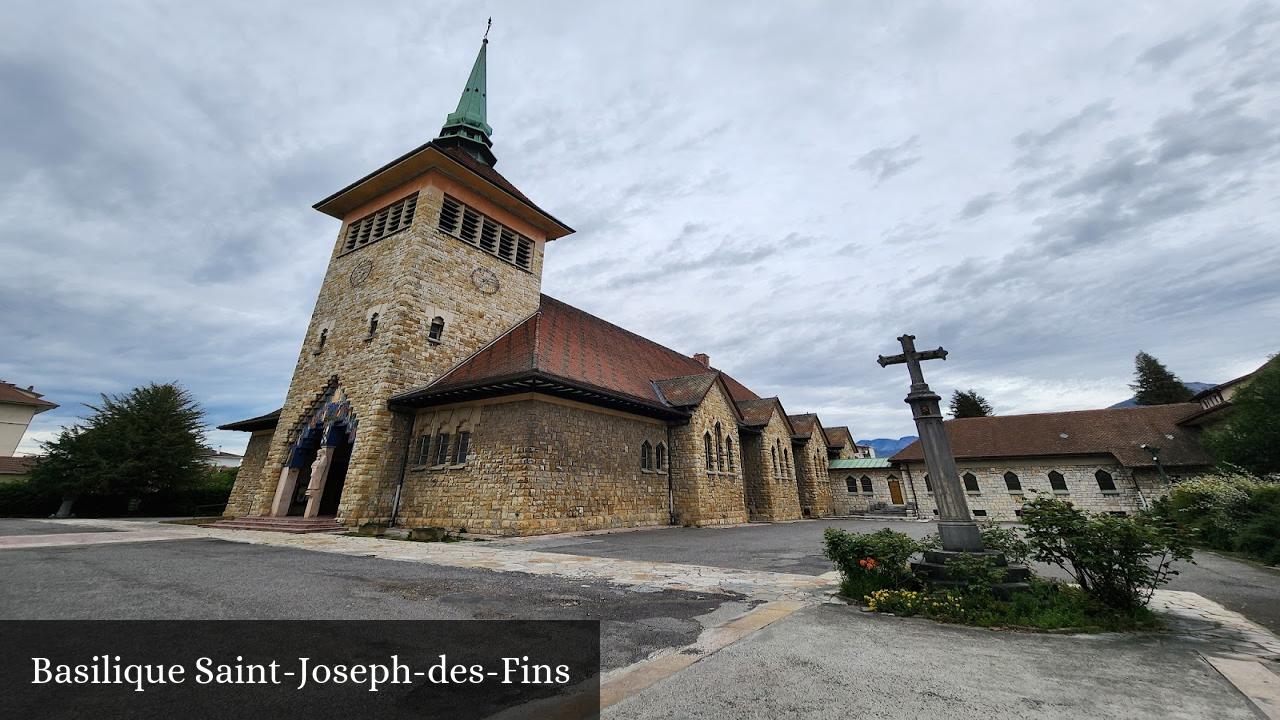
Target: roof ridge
x=1073, y=412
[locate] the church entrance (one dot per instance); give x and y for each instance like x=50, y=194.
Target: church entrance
x=336, y=479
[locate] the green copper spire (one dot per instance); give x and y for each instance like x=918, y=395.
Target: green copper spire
x=466, y=126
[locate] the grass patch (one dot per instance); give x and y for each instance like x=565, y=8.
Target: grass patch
x=1047, y=606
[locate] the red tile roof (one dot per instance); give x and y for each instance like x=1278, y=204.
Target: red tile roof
x=561, y=341
x=686, y=391
x=757, y=412
x=1114, y=431
x=14, y=395
x=17, y=465
x=839, y=435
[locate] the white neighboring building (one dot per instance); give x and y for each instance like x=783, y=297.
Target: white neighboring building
x=17, y=407
x=217, y=458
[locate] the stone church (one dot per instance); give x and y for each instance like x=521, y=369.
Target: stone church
x=437, y=386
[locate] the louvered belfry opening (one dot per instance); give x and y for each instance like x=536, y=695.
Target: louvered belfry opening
x=474, y=228
x=379, y=224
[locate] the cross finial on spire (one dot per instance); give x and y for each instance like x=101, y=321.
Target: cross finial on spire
x=487, y=28
x=466, y=127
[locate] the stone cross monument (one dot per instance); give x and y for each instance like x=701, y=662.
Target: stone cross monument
x=956, y=527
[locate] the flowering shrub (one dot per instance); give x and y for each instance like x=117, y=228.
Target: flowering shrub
x=871, y=561
x=1227, y=511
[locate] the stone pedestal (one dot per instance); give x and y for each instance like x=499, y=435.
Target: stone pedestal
x=933, y=571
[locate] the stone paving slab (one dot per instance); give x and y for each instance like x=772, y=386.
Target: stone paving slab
x=1228, y=633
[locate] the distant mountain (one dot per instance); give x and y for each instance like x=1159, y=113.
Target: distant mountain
x=886, y=447
x=1194, y=387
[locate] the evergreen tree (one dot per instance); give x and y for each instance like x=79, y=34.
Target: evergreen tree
x=148, y=440
x=1154, y=384
x=1250, y=437
x=969, y=404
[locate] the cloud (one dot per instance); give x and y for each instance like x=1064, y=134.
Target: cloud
x=885, y=162
x=978, y=205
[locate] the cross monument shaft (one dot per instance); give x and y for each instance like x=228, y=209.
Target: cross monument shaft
x=956, y=527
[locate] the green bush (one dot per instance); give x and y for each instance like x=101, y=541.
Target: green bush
x=1117, y=561
x=1259, y=531
x=871, y=561
x=1227, y=511
x=1047, y=605
x=26, y=500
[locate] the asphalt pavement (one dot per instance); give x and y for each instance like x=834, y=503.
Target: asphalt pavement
x=1248, y=588
x=215, y=579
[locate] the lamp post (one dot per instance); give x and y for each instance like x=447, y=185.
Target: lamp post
x=1155, y=455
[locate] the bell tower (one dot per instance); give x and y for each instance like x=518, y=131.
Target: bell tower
x=437, y=255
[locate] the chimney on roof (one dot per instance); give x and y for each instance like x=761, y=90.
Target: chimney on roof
x=703, y=358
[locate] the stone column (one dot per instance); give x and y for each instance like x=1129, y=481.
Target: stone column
x=284, y=491
x=315, y=489
x=956, y=527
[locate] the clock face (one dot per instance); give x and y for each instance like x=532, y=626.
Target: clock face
x=361, y=272
x=484, y=280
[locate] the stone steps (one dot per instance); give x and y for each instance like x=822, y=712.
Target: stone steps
x=294, y=525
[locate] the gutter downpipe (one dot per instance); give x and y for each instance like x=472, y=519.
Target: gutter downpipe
x=404, y=466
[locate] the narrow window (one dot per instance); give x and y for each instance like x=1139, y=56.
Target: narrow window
x=661, y=457
x=850, y=484
x=979, y=513
x=706, y=446
x=1105, y=481
x=1057, y=482
x=728, y=447
x=786, y=462
x=373, y=324
x=1012, y=482
x=324, y=337
x=866, y=485
x=424, y=449
x=470, y=225
x=436, y=330
x=488, y=235
x=775, y=460
x=507, y=245
x=524, y=252
x=970, y=483
x=719, y=449
x=928, y=484
x=646, y=456
x=462, y=448
x=442, y=448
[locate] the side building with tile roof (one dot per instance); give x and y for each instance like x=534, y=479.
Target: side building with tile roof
x=438, y=386
x=1100, y=460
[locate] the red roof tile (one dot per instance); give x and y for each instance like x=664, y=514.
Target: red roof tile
x=686, y=391
x=14, y=395
x=1114, y=431
x=839, y=435
x=805, y=423
x=565, y=342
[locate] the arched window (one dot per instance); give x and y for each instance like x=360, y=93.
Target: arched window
x=1012, y=482
x=719, y=449
x=706, y=446
x=373, y=324
x=786, y=462
x=850, y=484
x=970, y=482
x=646, y=456
x=324, y=337
x=774, y=450
x=1105, y=482
x=661, y=457
x=436, y=330
x=866, y=485
x=928, y=484
x=728, y=448
x=1057, y=482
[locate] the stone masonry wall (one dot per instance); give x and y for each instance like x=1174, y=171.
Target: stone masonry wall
x=538, y=466
x=858, y=501
x=812, y=483
x=249, y=476
x=408, y=278
x=771, y=492
x=702, y=496
x=1003, y=504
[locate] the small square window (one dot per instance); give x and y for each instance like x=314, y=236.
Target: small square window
x=979, y=513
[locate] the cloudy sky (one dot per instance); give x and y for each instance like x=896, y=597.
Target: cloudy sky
x=1043, y=188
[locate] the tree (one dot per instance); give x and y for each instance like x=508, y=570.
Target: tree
x=1250, y=437
x=148, y=440
x=969, y=404
x=1154, y=385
